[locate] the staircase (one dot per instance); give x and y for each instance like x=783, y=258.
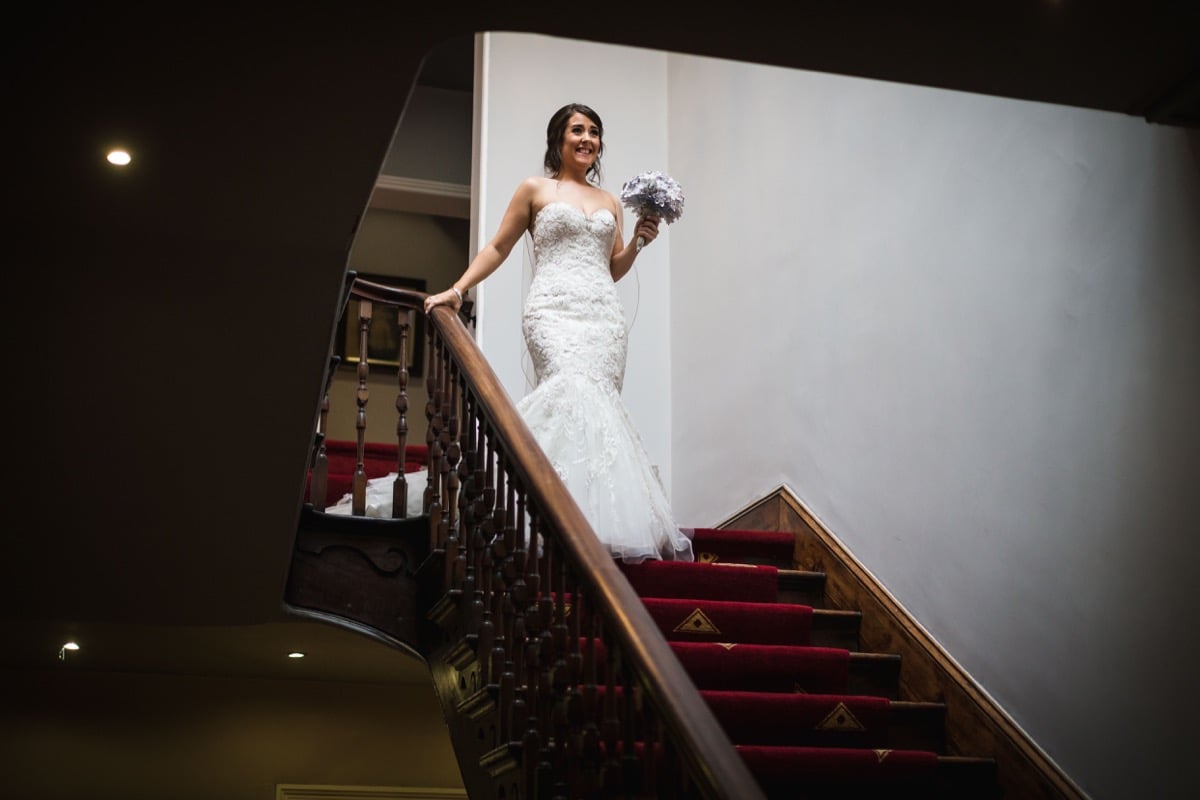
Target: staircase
x=810, y=714
x=565, y=674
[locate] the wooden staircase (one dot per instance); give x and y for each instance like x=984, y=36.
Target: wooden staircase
x=554, y=677
x=391, y=588
x=774, y=718
x=493, y=765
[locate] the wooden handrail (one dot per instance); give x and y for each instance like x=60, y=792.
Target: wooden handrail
x=700, y=741
x=512, y=536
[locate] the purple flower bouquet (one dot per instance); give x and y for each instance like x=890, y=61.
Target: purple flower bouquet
x=653, y=194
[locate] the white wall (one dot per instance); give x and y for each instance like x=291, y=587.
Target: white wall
x=966, y=332
x=525, y=80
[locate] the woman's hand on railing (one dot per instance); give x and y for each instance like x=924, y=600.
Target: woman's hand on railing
x=451, y=297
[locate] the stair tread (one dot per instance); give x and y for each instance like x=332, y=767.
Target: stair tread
x=896, y=705
x=800, y=573
x=817, y=773
x=932, y=756
x=766, y=607
x=830, y=720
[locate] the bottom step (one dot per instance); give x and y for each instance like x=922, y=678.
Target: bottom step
x=829, y=773
x=822, y=773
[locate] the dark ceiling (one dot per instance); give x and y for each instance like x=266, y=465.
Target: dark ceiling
x=1141, y=59
x=450, y=65
x=170, y=326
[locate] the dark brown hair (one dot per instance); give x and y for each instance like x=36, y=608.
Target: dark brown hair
x=557, y=129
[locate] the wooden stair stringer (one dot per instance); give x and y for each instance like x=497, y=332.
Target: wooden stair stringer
x=974, y=722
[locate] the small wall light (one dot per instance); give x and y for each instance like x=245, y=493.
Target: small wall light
x=62, y=651
x=119, y=157
x=295, y=654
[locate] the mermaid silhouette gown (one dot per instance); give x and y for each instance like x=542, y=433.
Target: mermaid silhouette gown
x=574, y=327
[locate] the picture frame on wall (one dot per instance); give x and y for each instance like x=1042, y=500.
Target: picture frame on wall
x=383, y=334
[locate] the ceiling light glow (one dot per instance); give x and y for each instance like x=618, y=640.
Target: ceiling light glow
x=119, y=157
x=295, y=654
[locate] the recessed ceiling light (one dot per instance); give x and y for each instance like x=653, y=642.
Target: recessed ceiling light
x=295, y=654
x=119, y=157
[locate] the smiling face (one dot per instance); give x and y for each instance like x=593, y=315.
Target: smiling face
x=580, y=142
x=574, y=139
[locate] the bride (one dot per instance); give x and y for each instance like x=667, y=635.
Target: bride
x=574, y=327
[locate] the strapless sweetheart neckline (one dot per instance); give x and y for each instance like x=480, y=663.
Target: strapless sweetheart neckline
x=582, y=213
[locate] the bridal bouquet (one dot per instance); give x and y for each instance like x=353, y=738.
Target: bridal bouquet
x=653, y=193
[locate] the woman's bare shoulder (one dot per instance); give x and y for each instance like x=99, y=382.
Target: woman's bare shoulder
x=536, y=183
x=537, y=190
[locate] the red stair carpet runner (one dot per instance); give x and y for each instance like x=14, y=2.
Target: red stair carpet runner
x=811, y=720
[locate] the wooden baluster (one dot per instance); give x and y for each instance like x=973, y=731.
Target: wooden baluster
x=499, y=658
x=591, y=767
x=318, y=486
x=651, y=746
x=611, y=726
x=531, y=741
x=434, y=442
x=559, y=675
x=494, y=479
x=470, y=443
x=631, y=700
x=574, y=652
x=400, y=485
x=484, y=476
x=494, y=541
x=524, y=633
x=494, y=522
x=359, y=499
x=482, y=562
x=497, y=595
x=502, y=554
x=545, y=698
x=479, y=537
x=515, y=598
x=451, y=528
x=432, y=427
x=467, y=444
x=468, y=564
x=533, y=554
x=573, y=699
x=475, y=560
x=471, y=467
x=481, y=607
x=480, y=473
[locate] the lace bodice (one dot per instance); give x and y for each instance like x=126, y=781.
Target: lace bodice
x=564, y=233
x=573, y=317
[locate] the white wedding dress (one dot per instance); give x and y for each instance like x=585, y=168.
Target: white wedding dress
x=574, y=326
